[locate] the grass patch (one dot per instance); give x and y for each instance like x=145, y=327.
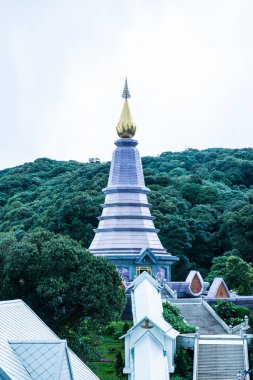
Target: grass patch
x=109, y=347
x=105, y=371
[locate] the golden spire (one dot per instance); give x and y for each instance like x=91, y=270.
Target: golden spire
x=126, y=127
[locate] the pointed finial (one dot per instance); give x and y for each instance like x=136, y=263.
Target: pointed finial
x=126, y=127
x=126, y=94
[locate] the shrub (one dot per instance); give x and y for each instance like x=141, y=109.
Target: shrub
x=232, y=314
x=126, y=327
x=119, y=365
x=115, y=329
x=184, y=364
x=251, y=323
x=84, y=341
x=110, y=328
x=251, y=359
x=173, y=316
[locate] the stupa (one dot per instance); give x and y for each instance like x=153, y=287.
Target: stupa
x=126, y=233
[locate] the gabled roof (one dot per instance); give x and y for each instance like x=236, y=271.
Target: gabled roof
x=44, y=360
x=186, y=288
x=146, y=252
x=216, y=284
x=146, y=297
x=151, y=336
x=144, y=276
x=161, y=324
x=25, y=337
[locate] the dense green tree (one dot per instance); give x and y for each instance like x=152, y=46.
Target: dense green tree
x=63, y=283
x=235, y=271
x=202, y=201
x=183, y=363
x=238, y=227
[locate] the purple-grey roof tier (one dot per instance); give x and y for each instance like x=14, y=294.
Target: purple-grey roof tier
x=126, y=225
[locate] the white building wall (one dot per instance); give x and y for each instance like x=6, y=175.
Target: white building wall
x=150, y=343
x=149, y=361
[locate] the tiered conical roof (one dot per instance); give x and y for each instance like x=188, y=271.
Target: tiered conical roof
x=126, y=225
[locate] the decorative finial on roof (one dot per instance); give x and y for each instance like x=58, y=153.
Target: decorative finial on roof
x=126, y=127
x=147, y=325
x=126, y=94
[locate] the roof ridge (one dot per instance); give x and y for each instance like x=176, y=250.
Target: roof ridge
x=37, y=341
x=11, y=301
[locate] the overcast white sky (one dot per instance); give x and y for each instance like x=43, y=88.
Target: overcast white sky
x=63, y=63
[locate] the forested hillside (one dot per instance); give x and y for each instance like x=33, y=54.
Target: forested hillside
x=203, y=201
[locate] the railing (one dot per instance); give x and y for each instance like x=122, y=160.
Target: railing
x=184, y=300
x=246, y=356
x=216, y=317
x=172, y=293
x=242, y=327
x=224, y=338
x=196, y=356
x=229, y=329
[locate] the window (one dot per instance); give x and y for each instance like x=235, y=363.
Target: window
x=139, y=270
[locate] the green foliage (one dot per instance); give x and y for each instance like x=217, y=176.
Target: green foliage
x=109, y=347
x=251, y=321
x=104, y=371
x=203, y=201
x=237, y=274
x=63, y=283
x=126, y=327
x=84, y=340
x=230, y=313
x=177, y=377
x=218, y=268
x=251, y=359
x=63, y=197
x=183, y=364
x=119, y=365
x=116, y=329
x=173, y=316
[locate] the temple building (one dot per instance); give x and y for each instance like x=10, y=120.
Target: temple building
x=126, y=233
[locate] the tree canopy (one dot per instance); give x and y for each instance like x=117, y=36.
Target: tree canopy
x=237, y=274
x=202, y=200
x=61, y=281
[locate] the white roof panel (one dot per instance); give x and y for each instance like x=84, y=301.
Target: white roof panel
x=19, y=323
